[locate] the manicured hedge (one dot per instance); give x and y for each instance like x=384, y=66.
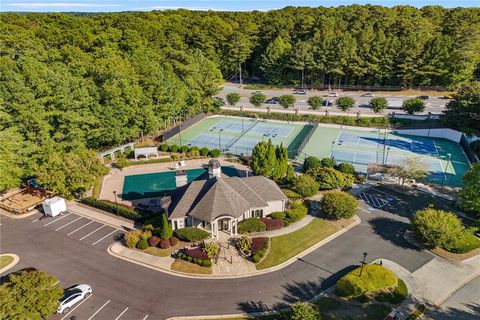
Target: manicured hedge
x=164, y=244
x=108, y=206
x=272, y=224
x=196, y=253
x=297, y=212
x=201, y=262
x=257, y=244
x=251, y=225
x=173, y=241
x=292, y=194
x=261, y=253
x=149, y=161
x=374, y=279
x=214, y=153
x=346, y=168
x=142, y=244
x=153, y=241
x=204, y=151
x=191, y=234
x=277, y=215
x=339, y=205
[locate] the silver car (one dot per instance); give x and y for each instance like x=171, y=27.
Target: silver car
x=72, y=296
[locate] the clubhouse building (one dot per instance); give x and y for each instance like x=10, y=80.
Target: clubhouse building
x=219, y=203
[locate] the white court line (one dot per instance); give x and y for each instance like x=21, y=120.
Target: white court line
x=105, y=237
x=121, y=313
x=86, y=224
x=145, y=317
x=91, y=232
x=36, y=220
x=68, y=223
x=93, y=315
x=57, y=219
x=78, y=305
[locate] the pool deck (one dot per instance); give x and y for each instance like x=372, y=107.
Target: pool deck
x=113, y=181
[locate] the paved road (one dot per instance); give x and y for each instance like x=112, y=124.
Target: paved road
x=462, y=305
x=435, y=104
x=122, y=290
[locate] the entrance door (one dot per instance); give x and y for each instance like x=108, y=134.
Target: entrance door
x=223, y=225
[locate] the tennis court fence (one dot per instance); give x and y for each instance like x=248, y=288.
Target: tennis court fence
x=182, y=126
x=302, y=145
x=466, y=146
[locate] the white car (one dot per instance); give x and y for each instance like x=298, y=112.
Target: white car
x=331, y=94
x=72, y=296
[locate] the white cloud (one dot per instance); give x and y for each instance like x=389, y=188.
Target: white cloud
x=60, y=5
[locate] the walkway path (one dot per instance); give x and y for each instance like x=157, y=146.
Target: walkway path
x=291, y=228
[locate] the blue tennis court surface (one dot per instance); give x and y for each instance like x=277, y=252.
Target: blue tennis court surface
x=231, y=125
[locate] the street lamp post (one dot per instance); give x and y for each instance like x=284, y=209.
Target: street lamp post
x=446, y=167
x=331, y=151
x=386, y=158
x=116, y=203
x=363, y=263
x=220, y=139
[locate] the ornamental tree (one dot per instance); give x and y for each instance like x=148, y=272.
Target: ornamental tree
x=305, y=185
x=257, y=99
x=287, y=101
x=345, y=103
x=339, y=205
x=378, y=104
x=315, y=102
x=470, y=194
x=233, y=98
x=414, y=105
x=310, y=163
x=329, y=178
x=29, y=295
x=166, y=231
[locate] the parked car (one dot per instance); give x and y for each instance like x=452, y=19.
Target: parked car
x=331, y=94
x=72, y=296
x=273, y=100
x=368, y=94
x=255, y=92
x=423, y=97
x=299, y=91
x=327, y=103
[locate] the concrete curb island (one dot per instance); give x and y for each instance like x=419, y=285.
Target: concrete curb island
x=12, y=264
x=118, y=250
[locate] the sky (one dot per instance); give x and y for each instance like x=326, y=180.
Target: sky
x=229, y=5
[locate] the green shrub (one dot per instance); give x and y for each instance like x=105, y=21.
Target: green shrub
x=184, y=149
x=204, y=152
x=261, y=253
x=286, y=222
x=132, y=238
x=166, y=231
x=396, y=296
x=251, y=225
x=305, y=185
x=108, y=206
x=304, y=311
x=277, y=215
x=328, y=163
x=339, y=205
x=173, y=241
x=145, y=234
x=374, y=279
x=329, y=178
x=244, y=244
x=311, y=163
x=174, y=148
x=346, y=167
x=292, y=194
x=164, y=147
x=211, y=249
x=142, y=244
x=215, y=153
x=191, y=234
x=438, y=228
x=297, y=212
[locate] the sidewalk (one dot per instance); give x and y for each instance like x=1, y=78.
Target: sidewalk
x=291, y=228
x=100, y=215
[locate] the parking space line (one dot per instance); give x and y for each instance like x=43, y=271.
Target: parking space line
x=36, y=220
x=80, y=228
x=60, y=218
x=68, y=224
x=56, y=283
x=92, y=232
x=78, y=305
x=145, y=317
x=121, y=313
x=105, y=237
x=93, y=315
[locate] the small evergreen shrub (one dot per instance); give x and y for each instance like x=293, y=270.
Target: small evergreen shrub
x=272, y=224
x=297, y=212
x=346, y=168
x=184, y=149
x=164, y=147
x=339, y=205
x=146, y=234
x=153, y=241
x=261, y=253
x=310, y=163
x=257, y=244
x=164, y=244
x=132, y=238
x=191, y=234
x=204, y=151
x=215, y=153
x=196, y=253
x=292, y=195
x=174, y=148
x=251, y=225
x=211, y=249
x=277, y=215
x=142, y=244
x=328, y=163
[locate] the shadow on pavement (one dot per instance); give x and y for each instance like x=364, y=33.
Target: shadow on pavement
x=393, y=231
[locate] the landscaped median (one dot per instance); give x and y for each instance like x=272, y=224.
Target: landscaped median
x=7, y=261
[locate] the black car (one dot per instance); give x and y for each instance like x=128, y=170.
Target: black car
x=327, y=103
x=423, y=97
x=274, y=100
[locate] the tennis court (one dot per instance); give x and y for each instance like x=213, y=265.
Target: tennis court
x=445, y=159
x=239, y=135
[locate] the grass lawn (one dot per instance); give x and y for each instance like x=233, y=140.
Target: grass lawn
x=374, y=279
x=5, y=261
x=188, y=267
x=289, y=245
x=158, y=251
x=468, y=243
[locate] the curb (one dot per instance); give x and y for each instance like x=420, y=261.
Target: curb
x=7, y=214
x=12, y=264
x=98, y=220
x=260, y=272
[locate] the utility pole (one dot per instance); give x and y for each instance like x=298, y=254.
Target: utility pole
x=240, y=74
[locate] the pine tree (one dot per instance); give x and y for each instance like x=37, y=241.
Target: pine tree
x=166, y=231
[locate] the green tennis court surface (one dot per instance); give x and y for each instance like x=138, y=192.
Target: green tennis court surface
x=239, y=136
x=445, y=159
x=156, y=184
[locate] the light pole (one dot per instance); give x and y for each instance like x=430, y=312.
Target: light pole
x=116, y=203
x=386, y=158
x=220, y=139
x=363, y=263
x=331, y=151
x=445, y=170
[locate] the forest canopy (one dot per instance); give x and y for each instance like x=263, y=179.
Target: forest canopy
x=72, y=83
